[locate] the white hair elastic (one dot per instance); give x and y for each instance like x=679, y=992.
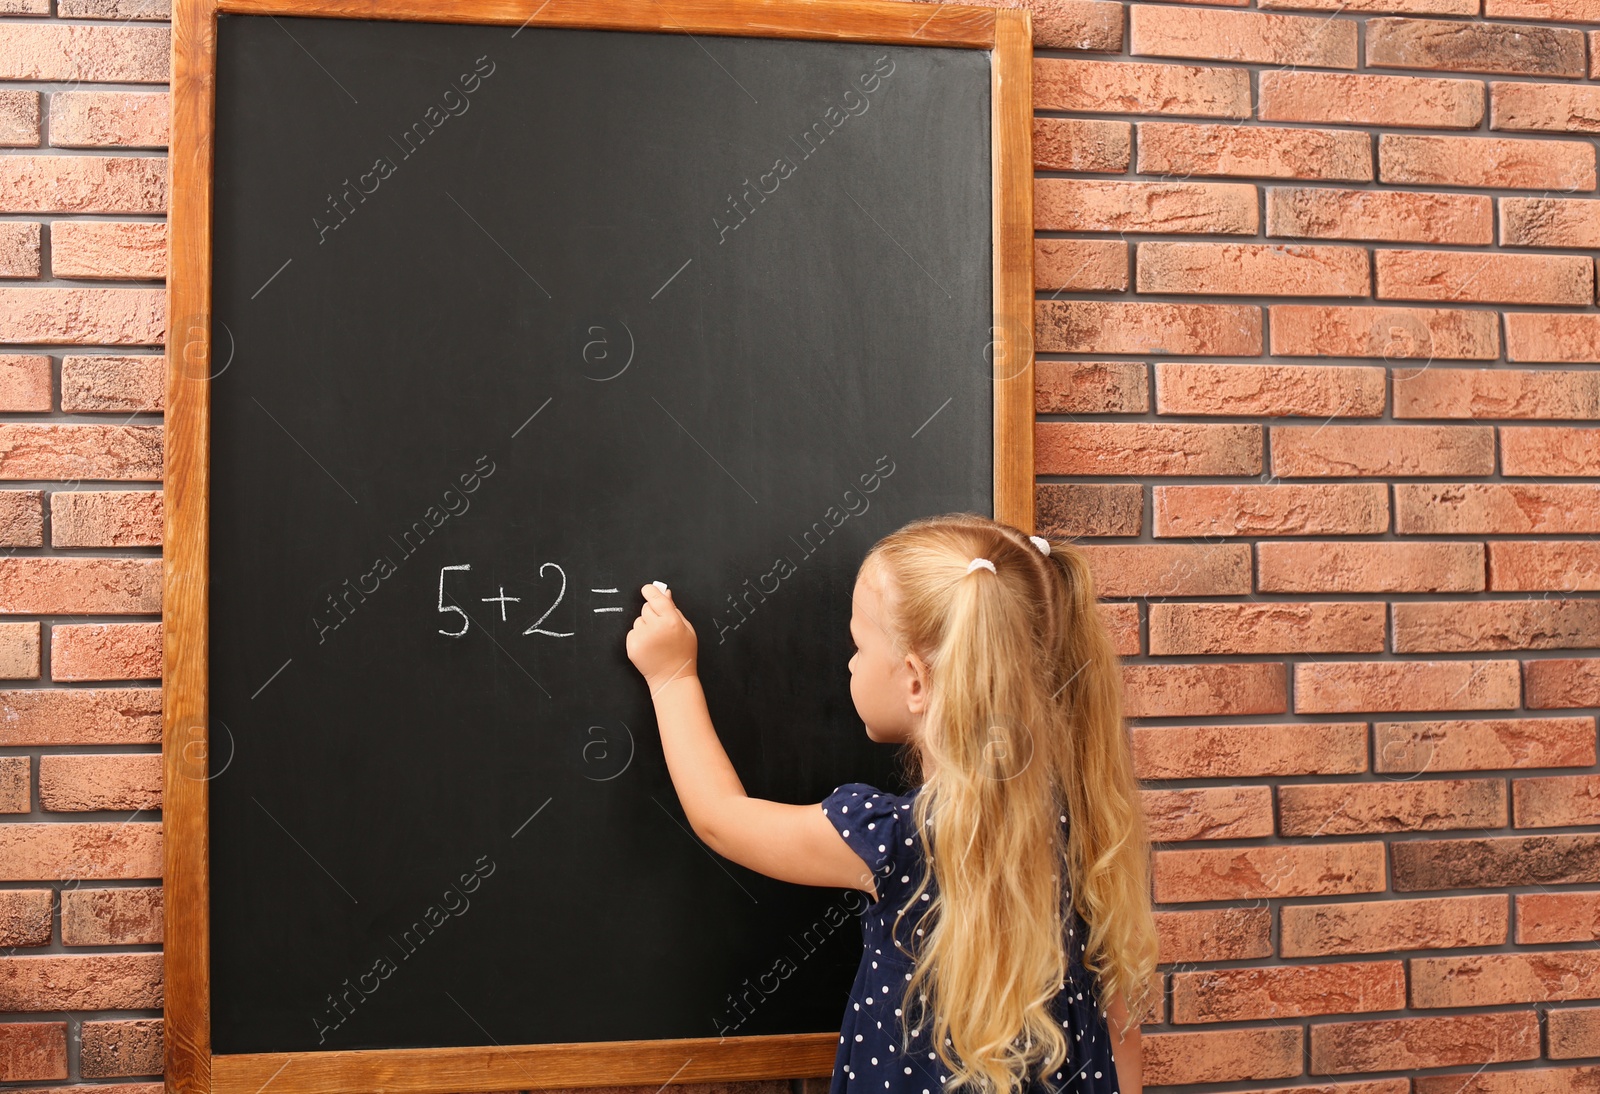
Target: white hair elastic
x=1041, y=543
x=985, y=563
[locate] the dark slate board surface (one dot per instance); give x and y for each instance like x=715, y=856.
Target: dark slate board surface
x=534, y=344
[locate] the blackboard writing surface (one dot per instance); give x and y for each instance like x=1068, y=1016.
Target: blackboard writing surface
x=504, y=326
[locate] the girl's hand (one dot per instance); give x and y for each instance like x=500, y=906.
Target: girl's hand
x=662, y=644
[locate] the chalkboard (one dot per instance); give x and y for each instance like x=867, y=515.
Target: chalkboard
x=505, y=322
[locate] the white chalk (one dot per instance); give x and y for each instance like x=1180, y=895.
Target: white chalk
x=662, y=585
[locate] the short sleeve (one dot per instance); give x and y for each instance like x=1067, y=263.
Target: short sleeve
x=875, y=824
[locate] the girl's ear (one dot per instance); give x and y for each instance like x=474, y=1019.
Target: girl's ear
x=917, y=685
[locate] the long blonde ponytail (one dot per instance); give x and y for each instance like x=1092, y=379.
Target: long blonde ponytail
x=1023, y=725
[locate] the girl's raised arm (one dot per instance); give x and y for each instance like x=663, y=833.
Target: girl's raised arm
x=794, y=843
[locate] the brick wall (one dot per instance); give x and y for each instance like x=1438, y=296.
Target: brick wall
x=1319, y=380
x=1317, y=388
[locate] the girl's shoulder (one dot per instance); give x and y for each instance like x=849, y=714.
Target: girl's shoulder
x=875, y=824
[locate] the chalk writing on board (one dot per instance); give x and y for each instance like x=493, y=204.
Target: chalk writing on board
x=833, y=119
x=448, y=606
x=752, y=595
x=456, y=503
x=456, y=103
x=347, y=997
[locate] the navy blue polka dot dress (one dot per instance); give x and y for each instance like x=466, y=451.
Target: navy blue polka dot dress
x=870, y=1060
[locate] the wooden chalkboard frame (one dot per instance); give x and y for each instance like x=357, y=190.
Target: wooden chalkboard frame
x=190, y=1066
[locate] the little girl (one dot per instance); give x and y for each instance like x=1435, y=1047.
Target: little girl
x=1010, y=889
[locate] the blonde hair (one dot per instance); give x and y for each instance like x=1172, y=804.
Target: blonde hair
x=1023, y=725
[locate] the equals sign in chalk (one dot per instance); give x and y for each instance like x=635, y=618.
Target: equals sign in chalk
x=599, y=610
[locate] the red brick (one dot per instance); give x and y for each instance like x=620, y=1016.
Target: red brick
x=1230, y=690
x=1535, y=565
x=82, y=184
x=1252, y=269
x=1484, y=745
x=1302, y=451
x=25, y=916
x=1287, y=991
x=1080, y=326
x=80, y=586
x=1318, y=627
x=1419, y=7
x=108, y=119
x=33, y=1050
x=1354, y=567
x=24, y=382
x=1207, y=812
x=1556, y=801
x=1380, y=926
x=1544, y=918
x=111, y=917
x=1318, y=330
x=1549, y=450
x=19, y=249
x=1278, y=509
x=105, y=518
x=21, y=518
x=19, y=652
x=19, y=119
x=1361, y=808
x=1550, y=222
x=64, y=51
x=120, y=317
x=1351, y=99
x=1489, y=278
x=1143, y=448
x=1497, y=393
x=1080, y=265
x=1552, y=336
x=1325, y=213
x=1079, y=144
x=1122, y=624
x=111, y=1049
x=1560, y=11
x=1493, y=979
x=80, y=716
x=1339, y=687
x=1451, y=508
x=1494, y=863
x=55, y=850
x=126, y=10
x=1169, y=569
x=108, y=249
x=1270, y=390
x=1474, y=47
x=105, y=651
x=1574, y=1032
x=1563, y=682
x=1223, y=1055
x=93, y=1088
x=1089, y=509
x=1288, y=870
x=1501, y=162
x=1097, y=205
x=1077, y=24
x=1395, y=1044
x=1131, y=87
x=118, y=981
x=16, y=785
x=1214, y=934
x=1090, y=387
x=107, y=384
x=80, y=783
x=1249, y=751
x=69, y=451
x=1176, y=148
x=1211, y=35
x=1559, y=108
